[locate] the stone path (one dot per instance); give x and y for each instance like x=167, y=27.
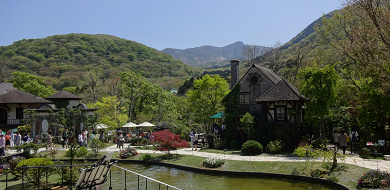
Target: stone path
x=383, y=165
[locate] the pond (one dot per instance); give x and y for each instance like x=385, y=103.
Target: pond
x=193, y=180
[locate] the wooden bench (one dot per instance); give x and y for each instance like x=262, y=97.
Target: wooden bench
x=59, y=188
x=94, y=177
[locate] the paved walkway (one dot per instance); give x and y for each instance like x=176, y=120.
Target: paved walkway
x=350, y=159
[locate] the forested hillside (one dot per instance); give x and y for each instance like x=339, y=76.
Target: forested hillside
x=63, y=60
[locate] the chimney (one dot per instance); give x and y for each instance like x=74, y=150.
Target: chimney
x=234, y=71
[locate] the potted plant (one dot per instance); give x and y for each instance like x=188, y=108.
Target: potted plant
x=15, y=161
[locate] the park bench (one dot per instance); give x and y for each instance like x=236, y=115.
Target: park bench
x=94, y=177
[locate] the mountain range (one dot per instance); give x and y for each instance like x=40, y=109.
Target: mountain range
x=207, y=56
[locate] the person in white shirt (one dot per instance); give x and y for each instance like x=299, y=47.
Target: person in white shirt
x=80, y=139
x=17, y=139
x=85, y=138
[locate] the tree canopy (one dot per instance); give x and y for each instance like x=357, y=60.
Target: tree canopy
x=64, y=59
x=31, y=84
x=205, y=99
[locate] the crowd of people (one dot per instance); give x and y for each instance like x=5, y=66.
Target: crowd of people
x=9, y=139
x=342, y=139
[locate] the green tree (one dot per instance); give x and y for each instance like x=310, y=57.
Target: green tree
x=205, y=99
x=110, y=112
x=31, y=84
x=248, y=121
x=132, y=85
x=319, y=85
x=92, y=79
x=154, y=104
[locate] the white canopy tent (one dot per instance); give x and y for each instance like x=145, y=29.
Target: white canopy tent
x=101, y=126
x=130, y=125
x=146, y=124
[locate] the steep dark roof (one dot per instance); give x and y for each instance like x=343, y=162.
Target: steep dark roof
x=16, y=96
x=282, y=91
x=4, y=87
x=63, y=95
x=269, y=74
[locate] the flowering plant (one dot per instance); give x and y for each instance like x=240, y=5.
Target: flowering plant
x=129, y=152
x=4, y=167
x=374, y=179
x=213, y=162
x=16, y=159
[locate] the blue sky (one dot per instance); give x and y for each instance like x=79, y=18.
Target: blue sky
x=163, y=23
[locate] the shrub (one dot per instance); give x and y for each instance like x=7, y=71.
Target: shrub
x=168, y=141
x=128, y=152
x=213, y=162
x=67, y=174
x=24, y=129
x=319, y=142
x=146, y=157
x=318, y=173
x=34, y=175
x=251, y=147
x=365, y=152
x=27, y=148
x=4, y=168
x=138, y=141
x=374, y=179
x=275, y=147
x=16, y=159
x=81, y=151
x=300, y=152
x=210, y=140
x=234, y=145
x=96, y=145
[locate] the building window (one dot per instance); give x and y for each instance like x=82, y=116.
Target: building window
x=3, y=116
x=19, y=113
x=244, y=99
x=244, y=102
x=280, y=113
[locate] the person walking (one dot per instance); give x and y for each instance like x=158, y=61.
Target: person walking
x=336, y=139
x=121, y=140
x=17, y=139
x=192, y=135
x=101, y=136
x=80, y=139
x=7, y=140
x=2, y=144
x=354, y=136
x=12, y=135
x=49, y=139
x=85, y=137
x=343, y=140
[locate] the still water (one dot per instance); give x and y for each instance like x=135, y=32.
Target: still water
x=196, y=181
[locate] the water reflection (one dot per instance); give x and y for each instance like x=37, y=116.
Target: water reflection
x=188, y=180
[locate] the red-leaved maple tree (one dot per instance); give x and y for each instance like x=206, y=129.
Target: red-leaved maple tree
x=168, y=141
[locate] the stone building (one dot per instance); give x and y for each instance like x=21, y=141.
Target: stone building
x=14, y=103
x=275, y=103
